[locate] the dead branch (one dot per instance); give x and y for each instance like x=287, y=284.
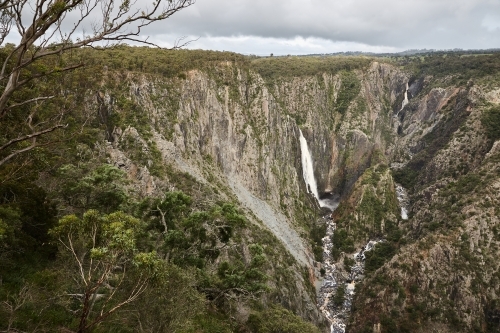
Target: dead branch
x=34, y=145
x=42, y=36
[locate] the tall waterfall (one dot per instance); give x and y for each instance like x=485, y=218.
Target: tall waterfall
x=405, y=101
x=308, y=173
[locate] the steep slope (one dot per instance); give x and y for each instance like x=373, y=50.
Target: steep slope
x=443, y=277
x=238, y=134
x=226, y=131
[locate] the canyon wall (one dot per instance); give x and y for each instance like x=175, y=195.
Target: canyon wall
x=238, y=134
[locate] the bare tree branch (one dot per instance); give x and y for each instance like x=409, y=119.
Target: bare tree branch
x=138, y=289
x=15, y=303
x=31, y=100
x=163, y=222
x=44, y=34
x=30, y=147
x=30, y=136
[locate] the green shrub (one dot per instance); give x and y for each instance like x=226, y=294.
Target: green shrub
x=276, y=319
x=378, y=256
x=348, y=263
x=467, y=183
x=341, y=243
x=316, y=234
x=491, y=122
x=339, y=297
x=406, y=177
x=282, y=67
x=349, y=89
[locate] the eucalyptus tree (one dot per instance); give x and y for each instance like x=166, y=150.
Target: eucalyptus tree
x=99, y=253
x=49, y=29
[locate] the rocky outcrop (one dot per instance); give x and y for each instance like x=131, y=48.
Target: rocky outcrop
x=239, y=136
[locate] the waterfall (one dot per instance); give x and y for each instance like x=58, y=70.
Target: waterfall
x=336, y=315
x=307, y=167
x=308, y=174
x=405, y=101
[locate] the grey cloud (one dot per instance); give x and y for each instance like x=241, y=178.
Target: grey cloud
x=396, y=23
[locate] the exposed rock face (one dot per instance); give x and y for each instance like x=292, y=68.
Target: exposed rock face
x=445, y=279
x=249, y=134
x=242, y=138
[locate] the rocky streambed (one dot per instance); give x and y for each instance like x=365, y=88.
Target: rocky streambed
x=337, y=289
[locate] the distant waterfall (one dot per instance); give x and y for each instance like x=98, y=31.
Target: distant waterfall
x=402, y=196
x=308, y=173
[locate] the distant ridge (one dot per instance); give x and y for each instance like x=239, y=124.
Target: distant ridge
x=410, y=52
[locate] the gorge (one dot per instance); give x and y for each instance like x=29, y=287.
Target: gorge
x=375, y=176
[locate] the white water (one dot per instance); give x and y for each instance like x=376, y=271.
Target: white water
x=338, y=316
x=404, y=213
x=308, y=173
x=402, y=196
x=332, y=280
x=405, y=101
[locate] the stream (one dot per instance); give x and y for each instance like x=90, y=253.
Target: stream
x=334, y=279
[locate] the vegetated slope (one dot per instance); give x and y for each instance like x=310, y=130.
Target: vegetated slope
x=202, y=148
x=204, y=161
x=185, y=254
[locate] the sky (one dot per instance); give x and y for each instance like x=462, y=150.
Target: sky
x=297, y=27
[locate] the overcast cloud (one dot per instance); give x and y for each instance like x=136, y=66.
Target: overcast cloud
x=325, y=26
x=286, y=27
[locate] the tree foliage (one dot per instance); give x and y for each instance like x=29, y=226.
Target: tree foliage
x=272, y=68
x=491, y=122
x=100, y=254
x=93, y=187
x=40, y=53
x=339, y=297
x=26, y=215
x=277, y=319
x=349, y=89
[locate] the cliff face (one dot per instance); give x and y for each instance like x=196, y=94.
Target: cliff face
x=244, y=134
x=443, y=278
x=238, y=134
